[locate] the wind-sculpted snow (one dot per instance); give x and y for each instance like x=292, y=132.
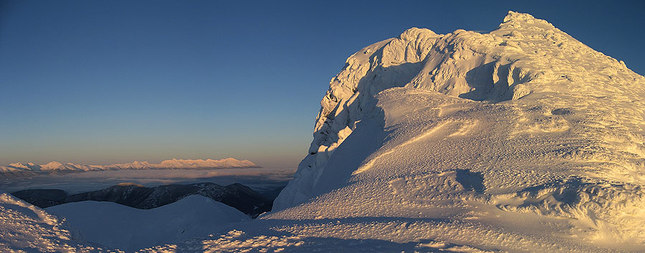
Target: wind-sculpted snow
x=519, y=140
x=523, y=130
x=27, y=228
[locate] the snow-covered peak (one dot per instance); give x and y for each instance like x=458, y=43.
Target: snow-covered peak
x=52, y=166
x=22, y=168
x=136, y=165
x=519, y=19
x=208, y=163
x=518, y=140
x=416, y=34
x=27, y=166
x=128, y=228
x=525, y=105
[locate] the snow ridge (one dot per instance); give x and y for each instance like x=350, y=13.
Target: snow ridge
x=548, y=127
x=518, y=140
x=28, y=228
x=128, y=228
x=525, y=55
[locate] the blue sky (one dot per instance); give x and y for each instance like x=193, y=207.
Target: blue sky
x=116, y=81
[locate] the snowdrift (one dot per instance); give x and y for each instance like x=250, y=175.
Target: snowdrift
x=122, y=227
x=521, y=140
x=24, y=227
x=523, y=131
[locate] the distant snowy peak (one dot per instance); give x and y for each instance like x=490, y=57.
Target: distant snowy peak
x=51, y=166
x=209, y=163
x=186, y=164
x=22, y=168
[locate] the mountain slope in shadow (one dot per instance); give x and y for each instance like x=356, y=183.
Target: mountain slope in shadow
x=235, y=195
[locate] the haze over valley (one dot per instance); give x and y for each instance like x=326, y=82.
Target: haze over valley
x=450, y=127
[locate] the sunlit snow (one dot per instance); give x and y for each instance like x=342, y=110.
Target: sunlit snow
x=521, y=139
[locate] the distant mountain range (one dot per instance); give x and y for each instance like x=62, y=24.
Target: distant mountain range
x=54, y=167
x=522, y=139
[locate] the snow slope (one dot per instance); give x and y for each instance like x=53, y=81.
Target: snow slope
x=24, y=227
x=512, y=140
x=522, y=140
x=128, y=228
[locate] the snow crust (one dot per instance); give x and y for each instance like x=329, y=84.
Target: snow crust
x=519, y=130
x=518, y=140
x=31, y=168
x=127, y=228
x=24, y=227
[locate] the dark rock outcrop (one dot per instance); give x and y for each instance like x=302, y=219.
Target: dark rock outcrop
x=42, y=197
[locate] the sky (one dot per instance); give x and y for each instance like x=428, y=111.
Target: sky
x=100, y=82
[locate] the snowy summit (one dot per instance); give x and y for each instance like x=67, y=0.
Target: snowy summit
x=522, y=139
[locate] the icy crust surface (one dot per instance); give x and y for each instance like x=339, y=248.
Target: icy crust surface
x=524, y=56
x=519, y=140
x=523, y=125
x=26, y=228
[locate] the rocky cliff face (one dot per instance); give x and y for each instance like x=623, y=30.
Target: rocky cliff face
x=544, y=123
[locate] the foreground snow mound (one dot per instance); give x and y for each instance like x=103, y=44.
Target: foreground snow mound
x=519, y=139
x=24, y=227
x=127, y=228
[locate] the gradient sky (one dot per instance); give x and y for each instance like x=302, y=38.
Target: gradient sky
x=115, y=81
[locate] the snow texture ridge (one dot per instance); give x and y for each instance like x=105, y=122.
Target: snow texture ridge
x=524, y=120
x=24, y=227
x=518, y=140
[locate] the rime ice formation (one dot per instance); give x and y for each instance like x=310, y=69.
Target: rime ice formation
x=519, y=140
x=523, y=122
x=31, y=168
